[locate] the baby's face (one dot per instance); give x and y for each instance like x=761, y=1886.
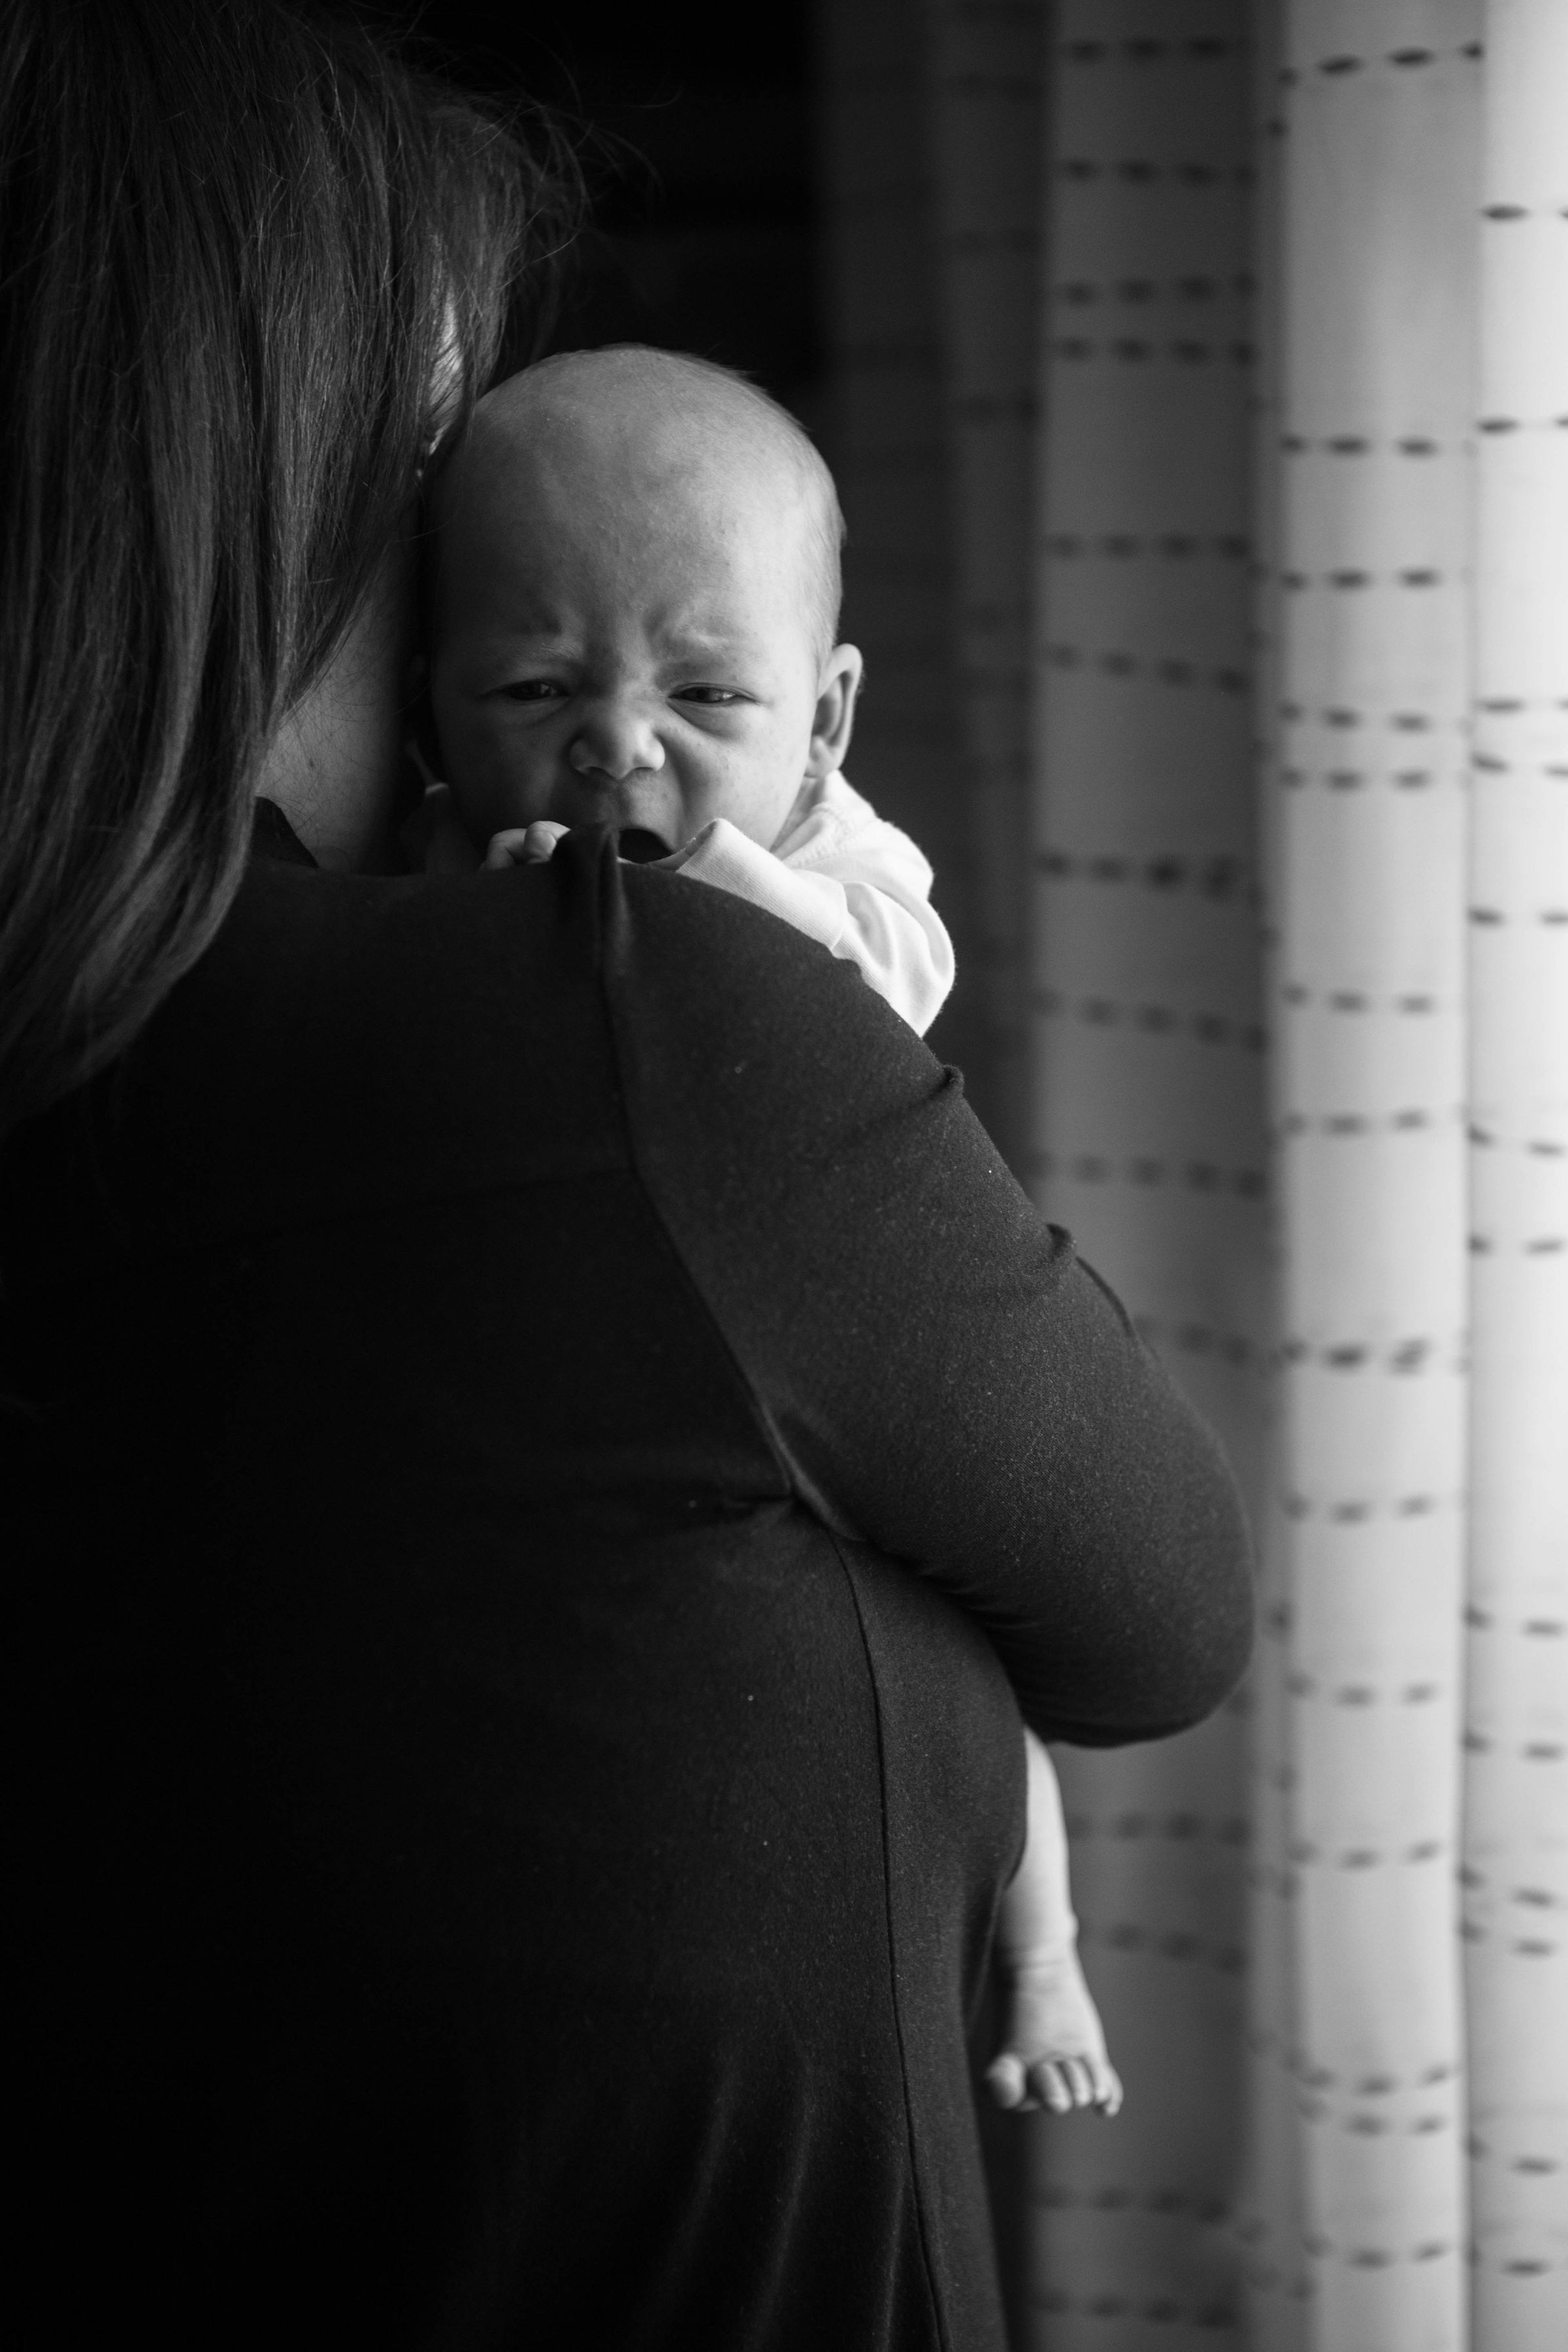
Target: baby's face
x=622, y=637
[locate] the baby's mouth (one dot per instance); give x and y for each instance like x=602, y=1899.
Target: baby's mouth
x=645, y=814
x=640, y=845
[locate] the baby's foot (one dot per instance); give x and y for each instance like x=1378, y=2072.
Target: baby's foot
x=1053, y=2046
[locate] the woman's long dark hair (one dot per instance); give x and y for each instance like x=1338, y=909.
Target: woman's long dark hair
x=235, y=235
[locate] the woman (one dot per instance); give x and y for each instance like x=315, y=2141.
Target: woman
x=541, y=1438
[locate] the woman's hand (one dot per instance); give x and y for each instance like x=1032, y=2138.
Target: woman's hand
x=523, y=845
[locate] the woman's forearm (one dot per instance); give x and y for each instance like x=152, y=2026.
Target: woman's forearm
x=935, y=1367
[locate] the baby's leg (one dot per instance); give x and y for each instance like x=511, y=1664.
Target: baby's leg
x=1053, y=2048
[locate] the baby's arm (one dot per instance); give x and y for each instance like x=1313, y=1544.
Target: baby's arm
x=845, y=878
x=1053, y=2049
x=843, y=875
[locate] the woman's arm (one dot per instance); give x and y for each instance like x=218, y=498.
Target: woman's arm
x=940, y=1373
x=866, y=899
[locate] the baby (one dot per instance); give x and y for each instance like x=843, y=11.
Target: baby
x=633, y=613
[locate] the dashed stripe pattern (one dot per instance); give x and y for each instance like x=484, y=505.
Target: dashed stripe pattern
x=1140, y=636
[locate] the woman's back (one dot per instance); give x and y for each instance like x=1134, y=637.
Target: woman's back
x=507, y=1871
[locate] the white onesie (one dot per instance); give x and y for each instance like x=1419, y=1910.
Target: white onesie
x=844, y=876
x=841, y=875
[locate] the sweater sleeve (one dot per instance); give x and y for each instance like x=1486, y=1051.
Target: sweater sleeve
x=940, y=1373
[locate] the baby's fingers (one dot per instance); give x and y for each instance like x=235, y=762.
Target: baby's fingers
x=509, y=848
x=525, y=845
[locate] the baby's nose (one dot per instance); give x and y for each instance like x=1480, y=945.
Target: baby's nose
x=616, y=739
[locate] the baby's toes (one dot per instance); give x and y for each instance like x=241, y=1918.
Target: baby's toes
x=1047, y=2080
x=1106, y=2087
x=1080, y=2081
x=1004, y=2080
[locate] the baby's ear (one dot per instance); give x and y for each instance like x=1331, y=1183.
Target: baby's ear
x=835, y=720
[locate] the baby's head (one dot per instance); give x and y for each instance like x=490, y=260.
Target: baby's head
x=632, y=605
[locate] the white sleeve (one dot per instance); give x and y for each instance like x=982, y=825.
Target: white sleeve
x=864, y=894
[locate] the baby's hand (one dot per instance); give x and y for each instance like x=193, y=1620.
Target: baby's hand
x=525, y=845
x=1053, y=2047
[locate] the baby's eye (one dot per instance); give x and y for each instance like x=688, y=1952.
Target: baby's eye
x=533, y=689
x=711, y=695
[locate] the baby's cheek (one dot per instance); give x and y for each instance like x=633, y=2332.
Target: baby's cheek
x=766, y=809
x=494, y=775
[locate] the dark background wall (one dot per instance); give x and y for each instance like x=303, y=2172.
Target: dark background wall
x=699, y=148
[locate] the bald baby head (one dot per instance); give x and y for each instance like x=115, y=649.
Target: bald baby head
x=634, y=420
x=633, y=598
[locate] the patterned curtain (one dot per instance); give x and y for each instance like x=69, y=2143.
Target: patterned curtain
x=1147, y=1137
x=1204, y=387
x=1366, y=466
x=1515, y=1872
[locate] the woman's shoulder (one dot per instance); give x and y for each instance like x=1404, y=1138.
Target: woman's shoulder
x=351, y=1043
x=347, y=1045
x=754, y=1061
x=498, y=1002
